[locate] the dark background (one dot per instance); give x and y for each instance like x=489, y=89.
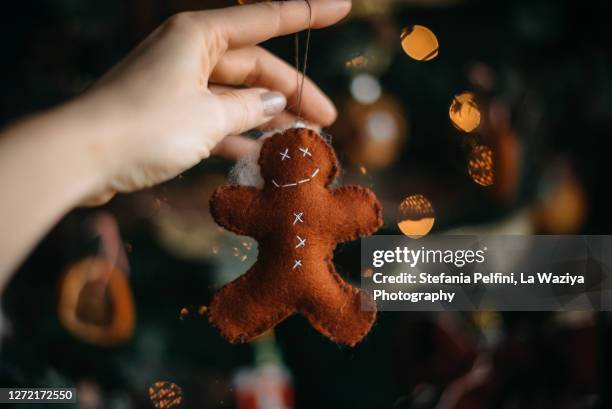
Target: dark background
x=551, y=76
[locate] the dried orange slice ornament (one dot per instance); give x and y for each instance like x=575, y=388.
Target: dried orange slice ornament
x=96, y=303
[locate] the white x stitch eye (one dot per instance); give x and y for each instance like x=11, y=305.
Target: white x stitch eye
x=305, y=151
x=285, y=155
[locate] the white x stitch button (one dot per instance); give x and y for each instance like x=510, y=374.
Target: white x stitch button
x=298, y=218
x=302, y=242
x=285, y=155
x=298, y=263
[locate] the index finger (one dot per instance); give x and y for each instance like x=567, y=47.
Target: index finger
x=253, y=23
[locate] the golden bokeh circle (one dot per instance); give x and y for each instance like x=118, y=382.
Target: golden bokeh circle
x=165, y=394
x=416, y=216
x=464, y=112
x=480, y=165
x=419, y=42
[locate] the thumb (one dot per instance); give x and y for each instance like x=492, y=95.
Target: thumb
x=245, y=109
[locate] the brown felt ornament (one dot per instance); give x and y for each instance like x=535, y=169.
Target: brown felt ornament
x=297, y=220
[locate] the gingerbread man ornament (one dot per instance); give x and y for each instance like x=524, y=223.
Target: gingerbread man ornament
x=297, y=219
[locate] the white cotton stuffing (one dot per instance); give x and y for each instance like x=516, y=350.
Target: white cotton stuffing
x=246, y=171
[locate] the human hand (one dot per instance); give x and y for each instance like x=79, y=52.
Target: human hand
x=168, y=104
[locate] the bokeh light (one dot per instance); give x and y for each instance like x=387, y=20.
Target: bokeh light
x=464, y=112
x=372, y=134
x=381, y=125
x=562, y=207
x=416, y=216
x=419, y=42
x=165, y=394
x=365, y=88
x=480, y=165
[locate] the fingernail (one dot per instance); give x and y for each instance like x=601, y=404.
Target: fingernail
x=273, y=103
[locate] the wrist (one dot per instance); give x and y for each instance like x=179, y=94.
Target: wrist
x=97, y=127
x=71, y=146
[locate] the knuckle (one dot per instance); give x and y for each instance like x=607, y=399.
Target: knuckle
x=242, y=112
x=180, y=21
x=274, y=6
x=215, y=40
x=255, y=73
x=276, y=10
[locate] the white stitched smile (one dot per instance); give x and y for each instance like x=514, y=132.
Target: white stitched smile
x=299, y=182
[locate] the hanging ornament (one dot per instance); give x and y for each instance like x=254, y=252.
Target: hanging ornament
x=297, y=220
x=95, y=300
x=95, y=303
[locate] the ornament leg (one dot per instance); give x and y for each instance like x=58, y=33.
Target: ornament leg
x=340, y=311
x=243, y=309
